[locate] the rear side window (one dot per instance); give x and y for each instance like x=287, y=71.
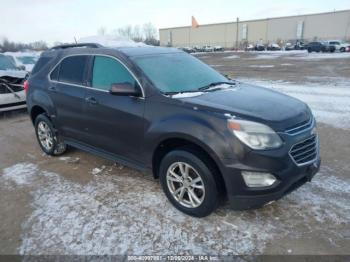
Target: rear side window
x=72, y=69
x=55, y=73
x=40, y=64
x=108, y=71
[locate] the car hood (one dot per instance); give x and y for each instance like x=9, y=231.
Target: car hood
x=255, y=103
x=13, y=73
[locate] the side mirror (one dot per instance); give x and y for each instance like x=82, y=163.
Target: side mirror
x=124, y=89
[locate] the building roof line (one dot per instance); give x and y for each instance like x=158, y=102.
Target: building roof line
x=260, y=19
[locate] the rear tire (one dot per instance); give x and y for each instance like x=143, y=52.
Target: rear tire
x=48, y=137
x=195, y=194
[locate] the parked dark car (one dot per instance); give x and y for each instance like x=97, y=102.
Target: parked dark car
x=319, y=47
x=160, y=110
x=273, y=47
x=298, y=45
x=259, y=47
x=187, y=49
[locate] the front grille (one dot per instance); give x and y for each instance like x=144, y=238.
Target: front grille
x=304, y=151
x=301, y=127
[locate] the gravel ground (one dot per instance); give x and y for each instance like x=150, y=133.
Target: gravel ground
x=82, y=204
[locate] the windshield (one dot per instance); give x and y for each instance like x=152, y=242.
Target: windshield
x=178, y=72
x=6, y=64
x=27, y=60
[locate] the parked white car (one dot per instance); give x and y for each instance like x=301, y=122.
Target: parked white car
x=339, y=45
x=208, y=48
x=24, y=60
x=12, y=93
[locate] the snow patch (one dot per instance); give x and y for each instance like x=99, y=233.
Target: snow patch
x=97, y=170
x=111, y=41
x=188, y=94
x=262, y=66
x=320, y=56
x=21, y=174
x=119, y=213
x=232, y=57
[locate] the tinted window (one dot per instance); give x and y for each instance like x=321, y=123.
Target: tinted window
x=40, y=64
x=54, y=74
x=72, y=69
x=108, y=71
x=177, y=72
x=6, y=63
x=27, y=60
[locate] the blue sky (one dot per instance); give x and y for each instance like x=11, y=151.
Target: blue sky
x=61, y=20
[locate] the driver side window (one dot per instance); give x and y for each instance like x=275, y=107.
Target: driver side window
x=108, y=71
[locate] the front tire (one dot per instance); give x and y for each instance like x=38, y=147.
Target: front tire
x=189, y=183
x=48, y=138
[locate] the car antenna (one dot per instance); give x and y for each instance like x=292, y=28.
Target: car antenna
x=75, y=40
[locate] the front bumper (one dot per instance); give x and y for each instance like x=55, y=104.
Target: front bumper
x=290, y=175
x=9, y=101
x=250, y=198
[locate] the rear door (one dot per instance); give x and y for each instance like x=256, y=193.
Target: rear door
x=67, y=90
x=115, y=123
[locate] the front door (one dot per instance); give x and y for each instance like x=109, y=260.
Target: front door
x=115, y=123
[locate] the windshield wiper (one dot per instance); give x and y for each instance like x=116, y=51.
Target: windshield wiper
x=180, y=92
x=203, y=88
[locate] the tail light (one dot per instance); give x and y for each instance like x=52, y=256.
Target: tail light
x=26, y=85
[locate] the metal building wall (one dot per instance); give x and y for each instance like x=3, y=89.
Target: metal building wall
x=332, y=25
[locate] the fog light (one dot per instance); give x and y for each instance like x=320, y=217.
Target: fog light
x=258, y=179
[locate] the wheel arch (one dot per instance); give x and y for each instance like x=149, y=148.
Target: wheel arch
x=188, y=144
x=37, y=110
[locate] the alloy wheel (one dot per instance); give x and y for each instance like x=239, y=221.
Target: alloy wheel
x=45, y=135
x=185, y=184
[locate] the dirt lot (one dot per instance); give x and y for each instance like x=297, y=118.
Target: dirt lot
x=82, y=204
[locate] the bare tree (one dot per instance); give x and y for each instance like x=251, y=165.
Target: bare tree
x=147, y=33
x=8, y=46
x=102, y=30
x=150, y=33
x=137, y=35
x=125, y=31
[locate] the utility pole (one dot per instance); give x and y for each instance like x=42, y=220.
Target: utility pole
x=237, y=30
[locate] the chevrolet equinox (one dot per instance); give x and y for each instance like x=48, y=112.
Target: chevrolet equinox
x=206, y=137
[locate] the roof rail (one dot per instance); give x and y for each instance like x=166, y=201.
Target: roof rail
x=92, y=45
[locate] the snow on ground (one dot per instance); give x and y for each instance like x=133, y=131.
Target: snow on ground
x=232, y=57
x=118, y=213
x=320, y=56
x=276, y=54
x=330, y=102
x=296, y=55
x=216, y=65
x=261, y=66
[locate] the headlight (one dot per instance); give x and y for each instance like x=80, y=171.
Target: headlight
x=255, y=135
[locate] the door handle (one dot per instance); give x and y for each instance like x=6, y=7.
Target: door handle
x=52, y=89
x=91, y=100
